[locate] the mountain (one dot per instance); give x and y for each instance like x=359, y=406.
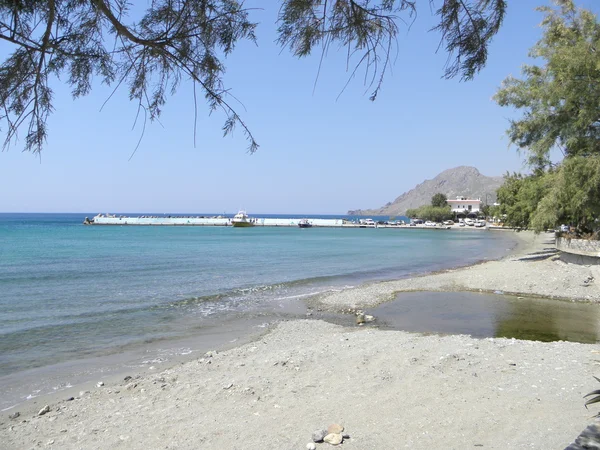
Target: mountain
x=461, y=181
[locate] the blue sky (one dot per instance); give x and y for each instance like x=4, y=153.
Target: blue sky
x=318, y=153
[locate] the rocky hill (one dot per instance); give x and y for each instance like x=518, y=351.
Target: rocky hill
x=461, y=181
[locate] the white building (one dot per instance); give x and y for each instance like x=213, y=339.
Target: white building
x=463, y=205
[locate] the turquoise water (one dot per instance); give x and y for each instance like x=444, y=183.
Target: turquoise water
x=68, y=291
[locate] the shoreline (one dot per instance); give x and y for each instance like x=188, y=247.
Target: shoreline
x=529, y=270
x=391, y=389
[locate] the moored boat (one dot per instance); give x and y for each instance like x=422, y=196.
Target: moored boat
x=241, y=219
x=304, y=223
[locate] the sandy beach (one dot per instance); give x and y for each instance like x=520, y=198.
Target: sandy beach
x=389, y=389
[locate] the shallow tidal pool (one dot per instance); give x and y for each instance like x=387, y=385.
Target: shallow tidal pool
x=491, y=315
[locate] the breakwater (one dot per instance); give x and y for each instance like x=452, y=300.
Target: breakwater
x=212, y=221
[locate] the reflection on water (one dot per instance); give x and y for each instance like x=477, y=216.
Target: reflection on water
x=491, y=315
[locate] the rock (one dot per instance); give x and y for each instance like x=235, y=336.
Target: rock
x=127, y=378
x=335, y=428
x=333, y=438
x=228, y=386
x=360, y=319
x=69, y=399
x=318, y=435
x=14, y=415
x=44, y=410
x=100, y=384
x=311, y=446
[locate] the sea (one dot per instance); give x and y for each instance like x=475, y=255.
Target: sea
x=78, y=303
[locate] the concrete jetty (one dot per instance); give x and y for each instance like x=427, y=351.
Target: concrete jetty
x=110, y=219
x=220, y=221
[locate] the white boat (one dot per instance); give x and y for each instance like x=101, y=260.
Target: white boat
x=304, y=223
x=241, y=219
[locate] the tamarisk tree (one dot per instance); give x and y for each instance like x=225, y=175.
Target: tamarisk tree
x=150, y=53
x=560, y=101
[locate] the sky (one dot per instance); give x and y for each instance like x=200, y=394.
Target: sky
x=320, y=152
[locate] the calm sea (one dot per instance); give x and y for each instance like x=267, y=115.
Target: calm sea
x=71, y=293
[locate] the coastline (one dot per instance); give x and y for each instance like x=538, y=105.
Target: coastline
x=390, y=389
x=531, y=269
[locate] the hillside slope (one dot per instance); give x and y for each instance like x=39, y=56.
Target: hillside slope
x=460, y=181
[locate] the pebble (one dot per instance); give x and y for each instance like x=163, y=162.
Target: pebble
x=127, y=378
x=335, y=428
x=14, y=415
x=44, y=410
x=228, y=386
x=69, y=399
x=100, y=384
x=311, y=446
x=318, y=435
x=333, y=438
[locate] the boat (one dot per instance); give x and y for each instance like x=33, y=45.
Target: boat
x=304, y=223
x=241, y=219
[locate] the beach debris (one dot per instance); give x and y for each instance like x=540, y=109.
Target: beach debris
x=333, y=435
x=335, y=428
x=333, y=438
x=362, y=318
x=44, y=410
x=318, y=435
x=311, y=446
x=14, y=415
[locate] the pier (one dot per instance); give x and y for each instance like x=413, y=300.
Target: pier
x=220, y=221
x=106, y=219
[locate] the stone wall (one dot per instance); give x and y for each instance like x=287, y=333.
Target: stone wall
x=581, y=247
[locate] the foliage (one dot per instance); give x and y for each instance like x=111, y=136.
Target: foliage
x=561, y=100
x=561, y=104
x=485, y=210
x=574, y=196
x=428, y=212
x=593, y=400
x=519, y=197
x=75, y=41
x=439, y=200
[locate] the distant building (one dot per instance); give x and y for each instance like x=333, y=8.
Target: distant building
x=463, y=205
